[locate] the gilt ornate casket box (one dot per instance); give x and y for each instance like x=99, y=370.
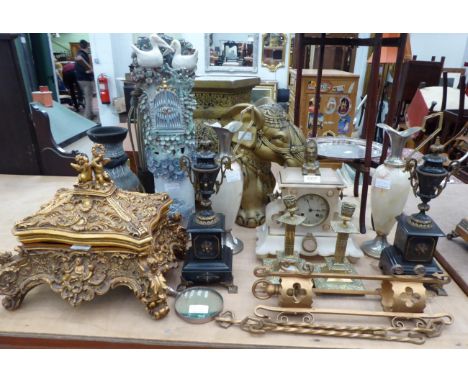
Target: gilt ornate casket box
x=92, y=238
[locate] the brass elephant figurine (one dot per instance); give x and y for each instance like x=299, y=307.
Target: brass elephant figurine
x=266, y=136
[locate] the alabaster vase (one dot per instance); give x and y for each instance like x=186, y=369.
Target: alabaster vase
x=227, y=201
x=389, y=192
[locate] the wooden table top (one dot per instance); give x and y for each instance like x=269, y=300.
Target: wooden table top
x=119, y=319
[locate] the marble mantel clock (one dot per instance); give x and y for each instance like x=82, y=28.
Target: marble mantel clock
x=208, y=260
x=318, y=192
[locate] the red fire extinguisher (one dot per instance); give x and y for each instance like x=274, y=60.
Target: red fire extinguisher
x=103, y=83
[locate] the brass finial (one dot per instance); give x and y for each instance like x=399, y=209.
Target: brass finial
x=205, y=145
x=437, y=147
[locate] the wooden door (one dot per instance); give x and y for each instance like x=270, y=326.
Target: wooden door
x=18, y=147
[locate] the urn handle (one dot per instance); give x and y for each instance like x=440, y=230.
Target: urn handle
x=186, y=165
x=411, y=165
x=453, y=168
x=225, y=163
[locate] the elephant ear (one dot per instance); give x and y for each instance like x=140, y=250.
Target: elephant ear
x=246, y=136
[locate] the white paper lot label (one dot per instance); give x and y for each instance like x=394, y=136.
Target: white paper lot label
x=386, y=184
x=311, y=178
x=79, y=247
x=198, y=309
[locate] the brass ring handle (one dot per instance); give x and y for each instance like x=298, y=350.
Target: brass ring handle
x=260, y=289
x=261, y=272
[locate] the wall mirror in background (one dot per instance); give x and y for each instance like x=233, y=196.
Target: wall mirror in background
x=274, y=50
x=231, y=52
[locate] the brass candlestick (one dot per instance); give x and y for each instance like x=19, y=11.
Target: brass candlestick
x=339, y=264
x=287, y=260
x=343, y=230
x=291, y=220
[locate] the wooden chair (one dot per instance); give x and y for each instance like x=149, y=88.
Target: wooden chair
x=54, y=159
x=413, y=74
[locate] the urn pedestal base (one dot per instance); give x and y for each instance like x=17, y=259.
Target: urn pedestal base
x=393, y=263
x=234, y=243
x=373, y=248
x=207, y=272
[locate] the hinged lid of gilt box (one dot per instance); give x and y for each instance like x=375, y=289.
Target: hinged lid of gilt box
x=96, y=213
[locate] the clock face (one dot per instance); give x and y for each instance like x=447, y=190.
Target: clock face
x=314, y=207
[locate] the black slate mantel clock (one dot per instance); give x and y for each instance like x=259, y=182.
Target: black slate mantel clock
x=208, y=260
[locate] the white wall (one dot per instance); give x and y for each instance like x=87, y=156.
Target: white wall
x=103, y=62
x=465, y=58
x=360, y=66
x=281, y=75
x=450, y=45
x=121, y=52
x=111, y=56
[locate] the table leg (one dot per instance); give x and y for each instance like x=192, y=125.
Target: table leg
x=357, y=175
x=364, y=191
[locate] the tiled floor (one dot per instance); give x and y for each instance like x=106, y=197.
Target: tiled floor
x=82, y=110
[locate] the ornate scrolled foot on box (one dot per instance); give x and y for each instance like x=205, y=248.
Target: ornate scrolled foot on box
x=155, y=297
x=13, y=302
x=12, y=272
x=157, y=310
x=5, y=257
